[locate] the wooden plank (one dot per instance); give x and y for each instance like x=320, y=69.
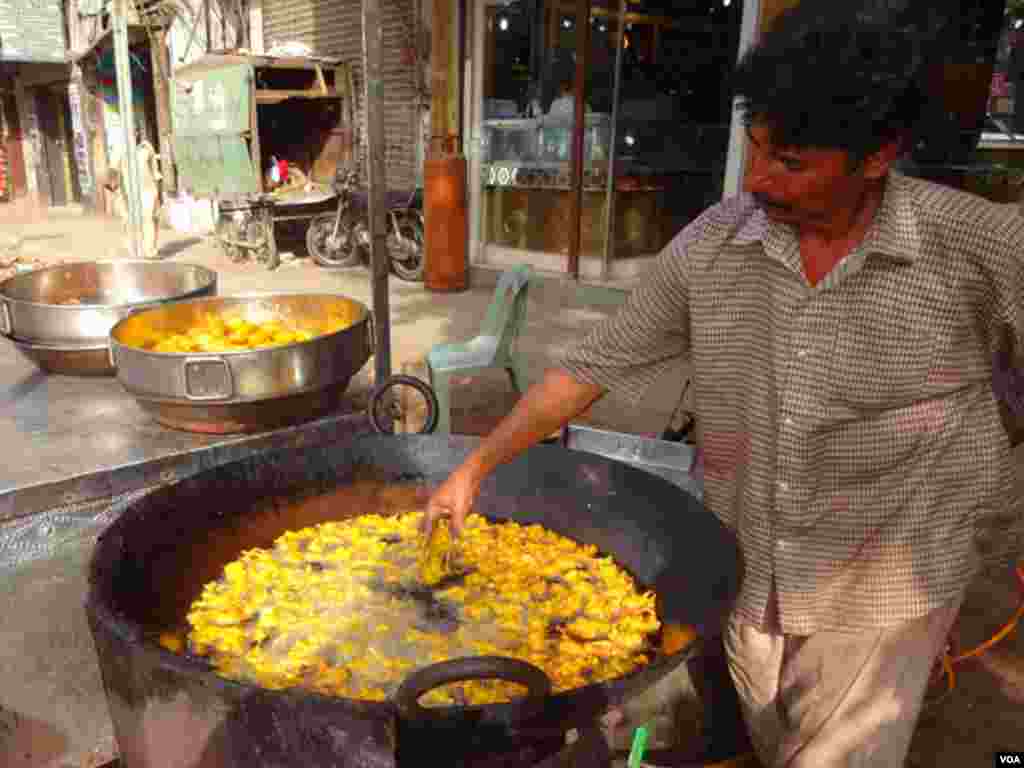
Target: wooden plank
x=294, y=63
x=254, y=139
x=334, y=147
x=271, y=96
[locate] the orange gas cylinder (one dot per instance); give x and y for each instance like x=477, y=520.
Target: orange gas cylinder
x=445, y=265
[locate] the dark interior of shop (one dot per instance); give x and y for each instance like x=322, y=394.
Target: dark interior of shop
x=671, y=125
x=305, y=133
x=681, y=51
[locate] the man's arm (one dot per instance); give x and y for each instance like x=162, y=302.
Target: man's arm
x=624, y=353
x=547, y=406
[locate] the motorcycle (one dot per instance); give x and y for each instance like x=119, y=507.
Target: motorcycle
x=342, y=238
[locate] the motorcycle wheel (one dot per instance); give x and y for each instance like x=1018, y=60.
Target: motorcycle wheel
x=344, y=253
x=225, y=233
x=407, y=257
x=270, y=256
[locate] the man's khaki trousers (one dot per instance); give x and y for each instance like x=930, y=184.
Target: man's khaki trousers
x=835, y=699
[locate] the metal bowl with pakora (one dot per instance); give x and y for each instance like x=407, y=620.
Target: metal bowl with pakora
x=242, y=363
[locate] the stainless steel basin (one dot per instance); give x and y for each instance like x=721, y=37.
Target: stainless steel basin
x=61, y=316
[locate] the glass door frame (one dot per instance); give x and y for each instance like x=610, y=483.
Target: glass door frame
x=736, y=158
x=478, y=250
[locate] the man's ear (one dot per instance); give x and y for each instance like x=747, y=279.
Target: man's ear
x=877, y=165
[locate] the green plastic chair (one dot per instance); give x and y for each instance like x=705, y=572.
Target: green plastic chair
x=491, y=348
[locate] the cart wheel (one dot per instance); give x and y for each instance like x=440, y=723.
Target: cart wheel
x=387, y=404
x=329, y=252
x=406, y=254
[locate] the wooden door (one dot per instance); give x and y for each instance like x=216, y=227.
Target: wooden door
x=54, y=145
x=15, y=157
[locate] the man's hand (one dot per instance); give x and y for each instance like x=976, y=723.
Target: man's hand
x=453, y=499
x=546, y=407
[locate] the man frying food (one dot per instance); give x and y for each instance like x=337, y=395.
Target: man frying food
x=841, y=320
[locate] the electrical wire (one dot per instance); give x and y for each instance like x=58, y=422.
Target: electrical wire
x=949, y=660
x=1006, y=629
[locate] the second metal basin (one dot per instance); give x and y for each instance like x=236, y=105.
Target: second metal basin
x=61, y=316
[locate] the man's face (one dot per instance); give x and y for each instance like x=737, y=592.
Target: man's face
x=807, y=187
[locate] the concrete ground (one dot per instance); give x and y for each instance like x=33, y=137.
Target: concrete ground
x=985, y=712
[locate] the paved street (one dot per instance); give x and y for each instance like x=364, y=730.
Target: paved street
x=985, y=711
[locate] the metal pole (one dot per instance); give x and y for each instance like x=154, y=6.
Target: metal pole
x=162, y=84
x=373, y=42
x=78, y=98
x=209, y=32
x=122, y=64
x=578, y=130
x=439, y=58
x=609, y=216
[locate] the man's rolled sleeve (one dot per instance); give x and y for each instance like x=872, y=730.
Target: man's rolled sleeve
x=627, y=352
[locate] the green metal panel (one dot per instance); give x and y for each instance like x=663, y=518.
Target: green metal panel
x=215, y=166
x=213, y=101
x=211, y=112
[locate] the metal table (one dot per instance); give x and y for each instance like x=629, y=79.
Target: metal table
x=67, y=440
x=76, y=451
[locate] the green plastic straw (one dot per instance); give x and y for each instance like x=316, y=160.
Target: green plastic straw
x=636, y=753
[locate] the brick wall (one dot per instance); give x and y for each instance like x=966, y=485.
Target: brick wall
x=31, y=30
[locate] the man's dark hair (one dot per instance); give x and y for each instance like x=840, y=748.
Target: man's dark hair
x=847, y=75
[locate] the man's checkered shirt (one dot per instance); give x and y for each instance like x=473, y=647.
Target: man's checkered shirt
x=850, y=434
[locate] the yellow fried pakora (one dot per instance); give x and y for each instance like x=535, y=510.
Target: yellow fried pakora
x=220, y=333
x=328, y=609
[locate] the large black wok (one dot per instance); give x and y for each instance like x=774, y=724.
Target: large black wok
x=169, y=709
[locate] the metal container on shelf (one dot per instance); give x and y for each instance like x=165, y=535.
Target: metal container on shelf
x=510, y=140
x=554, y=137
x=245, y=390
x=60, y=317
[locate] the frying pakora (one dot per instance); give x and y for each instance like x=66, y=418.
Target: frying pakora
x=340, y=609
